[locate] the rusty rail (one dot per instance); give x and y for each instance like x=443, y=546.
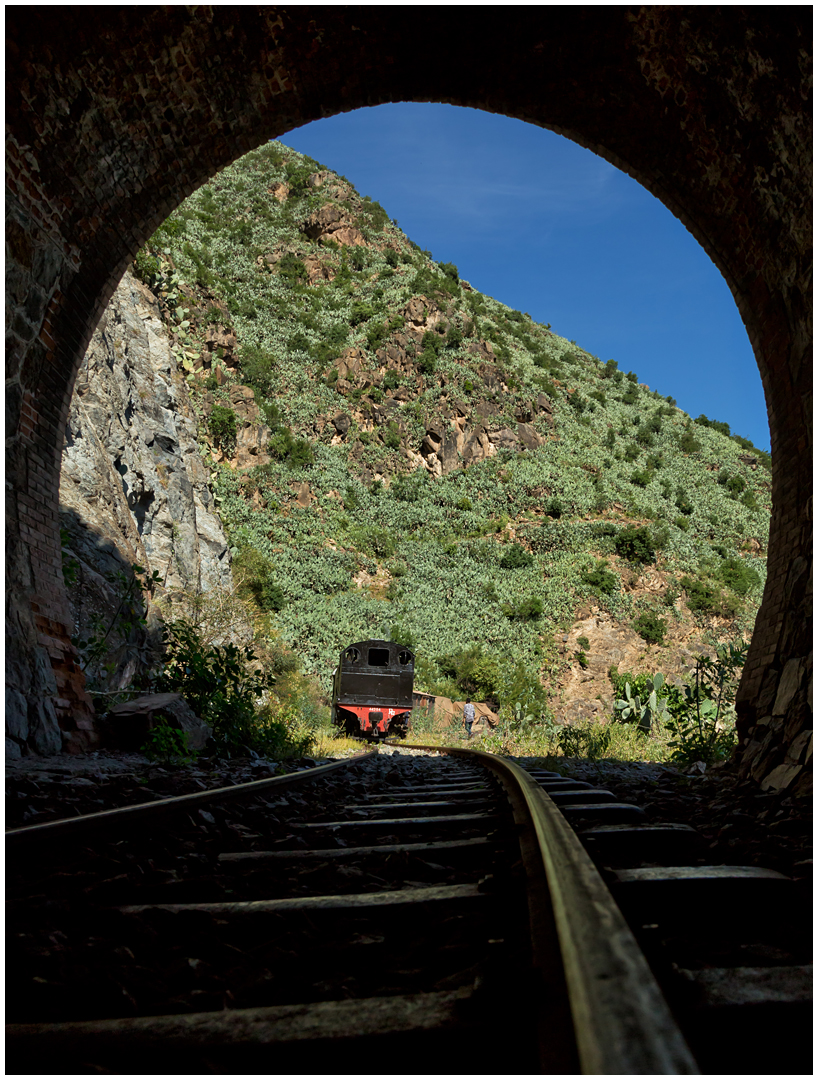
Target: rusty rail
x=621, y=1021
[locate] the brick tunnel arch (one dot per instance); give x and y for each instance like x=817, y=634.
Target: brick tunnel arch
x=113, y=121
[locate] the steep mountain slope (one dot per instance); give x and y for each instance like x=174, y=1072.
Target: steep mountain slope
x=395, y=454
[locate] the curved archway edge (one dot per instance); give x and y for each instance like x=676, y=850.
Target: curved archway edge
x=113, y=121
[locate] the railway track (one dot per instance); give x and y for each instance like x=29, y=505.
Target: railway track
x=400, y=912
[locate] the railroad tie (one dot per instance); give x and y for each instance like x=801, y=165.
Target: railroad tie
x=444, y=847
x=352, y=901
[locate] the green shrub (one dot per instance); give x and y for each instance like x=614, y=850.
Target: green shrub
x=219, y=682
x=361, y=311
x=635, y=545
x=526, y=611
x=683, y=503
x=257, y=366
x=168, y=745
x=299, y=342
x=651, y=628
x=515, y=557
x=738, y=576
x=379, y=543
x=641, y=478
x=146, y=266
x=391, y=436
x=476, y=673
x=223, y=428
x=701, y=596
x=351, y=500
x=716, y=425
x=589, y=740
x=255, y=575
x=654, y=425
x=553, y=508
x=292, y=269
x=412, y=488
x=644, y=435
x=295, y=452
x=427, y=361
x=454, y=337
x=601, y=579
x=704, y=726
x=688, y=444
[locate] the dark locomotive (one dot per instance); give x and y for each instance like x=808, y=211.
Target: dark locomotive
x=372, y=689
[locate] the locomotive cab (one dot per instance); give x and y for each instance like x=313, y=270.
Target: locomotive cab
x=372, y=689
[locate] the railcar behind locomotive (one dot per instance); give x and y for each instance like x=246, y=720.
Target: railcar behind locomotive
x=372, y=689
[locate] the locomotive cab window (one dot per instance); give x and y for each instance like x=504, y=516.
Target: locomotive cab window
x=352, y=656
x=404, y=658
x=379, y=657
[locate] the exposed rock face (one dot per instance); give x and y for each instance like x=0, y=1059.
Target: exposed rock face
x=133, y=486
x=587, y=693
x=464, y=434
x=329, y=223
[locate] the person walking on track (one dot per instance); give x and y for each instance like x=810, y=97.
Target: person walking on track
x=468, y=717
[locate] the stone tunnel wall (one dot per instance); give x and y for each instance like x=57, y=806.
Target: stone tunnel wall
x=113, y=120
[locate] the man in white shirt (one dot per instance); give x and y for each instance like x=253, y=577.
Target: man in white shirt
x=468, y=717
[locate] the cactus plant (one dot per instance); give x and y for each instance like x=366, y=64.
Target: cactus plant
x=644, y=712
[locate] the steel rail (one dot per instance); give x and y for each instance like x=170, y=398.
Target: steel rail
x=16, y=839
x=621, y=1023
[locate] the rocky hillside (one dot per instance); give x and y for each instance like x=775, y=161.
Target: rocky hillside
x=393, y=453
x=134, y=485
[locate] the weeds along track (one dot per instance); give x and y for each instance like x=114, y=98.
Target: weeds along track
x=402, y=912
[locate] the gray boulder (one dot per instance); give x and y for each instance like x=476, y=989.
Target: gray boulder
x=128, y=725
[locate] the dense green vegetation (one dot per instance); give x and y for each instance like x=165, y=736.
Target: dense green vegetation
x=478, y=568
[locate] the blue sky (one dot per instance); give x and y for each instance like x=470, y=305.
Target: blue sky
x=549, y=228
